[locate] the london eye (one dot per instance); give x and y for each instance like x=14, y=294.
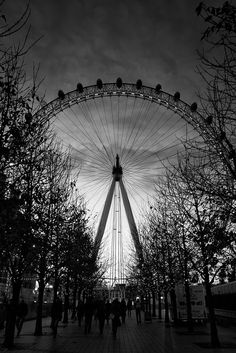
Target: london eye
x=121, y=136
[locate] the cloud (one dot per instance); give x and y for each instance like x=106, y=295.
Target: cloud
x=84, y=40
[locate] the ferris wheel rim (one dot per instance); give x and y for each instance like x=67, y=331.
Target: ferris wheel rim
x=109, y=89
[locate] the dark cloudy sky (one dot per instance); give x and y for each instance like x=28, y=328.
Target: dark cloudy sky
x=154, y=40
x=83, y=40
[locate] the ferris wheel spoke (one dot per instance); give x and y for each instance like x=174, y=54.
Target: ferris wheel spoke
x=80, y=129
x=133, y=126
x=95, y=150
x=137, y=198
x=137, y=127
x=89, y=162
x=88, y=127
x=98, y=133
x=123, y=130
x=113, y=123
x=89, y=158
x=107, y=139
x=156, y=144
x=107, y=125
x=150, y=132
x=130, y=122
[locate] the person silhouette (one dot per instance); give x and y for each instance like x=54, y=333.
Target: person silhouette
x=115, y=316
x=21, y=312
x=138, y=310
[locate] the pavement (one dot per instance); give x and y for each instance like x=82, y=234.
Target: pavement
x=148, y=337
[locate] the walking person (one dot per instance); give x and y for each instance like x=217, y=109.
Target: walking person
x=123, y=308
x=3, y=313
x=115, y=316
x=101, y=314
x=88, y=314
x=138, y=310
x=107, y=311
x=80, y=311
x=129, y=307
x=56, y=314
x=22, y=311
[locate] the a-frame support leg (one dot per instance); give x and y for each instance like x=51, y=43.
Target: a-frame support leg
x=103, y=220
x=130, y=217
x=129, y=214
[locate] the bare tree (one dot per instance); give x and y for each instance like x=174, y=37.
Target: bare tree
x=21, y=137
x=207, y=217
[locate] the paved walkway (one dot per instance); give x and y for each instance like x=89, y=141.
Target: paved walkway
x=149, y=337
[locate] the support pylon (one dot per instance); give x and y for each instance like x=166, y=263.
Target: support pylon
x=117, y=173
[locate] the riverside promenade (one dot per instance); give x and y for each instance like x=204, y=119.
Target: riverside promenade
x=148, y=337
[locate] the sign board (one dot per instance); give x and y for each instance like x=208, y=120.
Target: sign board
x=197, y=295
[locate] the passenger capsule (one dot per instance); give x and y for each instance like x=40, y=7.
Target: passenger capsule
x=119, y=82
x=139, y=84
x=99, y=83
x=232, y=154
x=80, y=88
x=222, y=136
x=193, y=107
x=61, y=94
x=28, y=117
x=158, y=88
x=209, y=119
x=176, y=96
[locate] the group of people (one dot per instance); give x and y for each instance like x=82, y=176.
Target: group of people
x=102, y=311
x=106, y=311
x=10, y=310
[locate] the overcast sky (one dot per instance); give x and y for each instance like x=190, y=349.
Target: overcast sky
x=83, y=40
x=154, y=40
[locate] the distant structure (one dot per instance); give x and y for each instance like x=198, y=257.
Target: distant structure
x=131, y=125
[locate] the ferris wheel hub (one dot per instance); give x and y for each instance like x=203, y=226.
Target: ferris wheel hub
x=117, y=169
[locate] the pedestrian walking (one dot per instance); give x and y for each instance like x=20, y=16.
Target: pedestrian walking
x=3, y=313
x=107, y=311
x=11, y=309
x=101, y=314
x=56, y=314
x=129, y=307
x=88, y=314
x=21, y=312
x=123, y=308
x=138, y=310
x=80, y=311
x=115, y=316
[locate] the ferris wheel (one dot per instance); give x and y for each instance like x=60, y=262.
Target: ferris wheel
x=121, y=136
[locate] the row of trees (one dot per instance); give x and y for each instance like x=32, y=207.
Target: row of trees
x=44, y=226
x=189, y=234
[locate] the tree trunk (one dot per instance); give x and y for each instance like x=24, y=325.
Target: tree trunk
x=186, y=287
x=66, y=300
x=167, y=318
x=153, y=304
x=11, y=315
x=189, y=307
x=38, y=325
x=213, y=329
x=174, y=305
x=149, y=303
x=74, y=301
x=159, y=306
x=66, y=308
x=55, y=290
